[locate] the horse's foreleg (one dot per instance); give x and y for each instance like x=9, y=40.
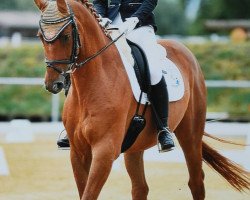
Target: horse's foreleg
x=135, y=168
x=81, y=166
x=102, y=160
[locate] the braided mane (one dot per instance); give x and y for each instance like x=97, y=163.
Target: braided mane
x=92, y=10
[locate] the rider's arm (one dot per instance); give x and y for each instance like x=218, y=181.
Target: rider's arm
x=101, y=6
x=145, y=9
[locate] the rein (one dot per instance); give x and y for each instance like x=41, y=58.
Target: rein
x=78, y=65
x=72, y=61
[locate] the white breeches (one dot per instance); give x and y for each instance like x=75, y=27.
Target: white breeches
x=144, y=36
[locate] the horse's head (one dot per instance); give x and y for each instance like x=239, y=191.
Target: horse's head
x=59, y=35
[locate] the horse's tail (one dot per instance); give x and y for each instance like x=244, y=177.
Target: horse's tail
x=223, y=140
x=232, y=172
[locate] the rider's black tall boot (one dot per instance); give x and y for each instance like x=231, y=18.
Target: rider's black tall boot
x=159, y=99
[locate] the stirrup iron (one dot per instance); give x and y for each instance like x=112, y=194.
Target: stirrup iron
x=159, y=145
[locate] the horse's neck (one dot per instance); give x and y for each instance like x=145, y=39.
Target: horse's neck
x=91, y=35
x=94, y=72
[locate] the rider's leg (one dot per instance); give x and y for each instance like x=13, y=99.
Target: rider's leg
x=159, y=99
x=145, y=38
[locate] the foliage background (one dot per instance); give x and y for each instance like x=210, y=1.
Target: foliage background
x=219, y=61
x=17, y=5
x=219, y=10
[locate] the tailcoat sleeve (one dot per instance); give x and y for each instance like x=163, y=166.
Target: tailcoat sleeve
x=145, y=9
x=101, y=7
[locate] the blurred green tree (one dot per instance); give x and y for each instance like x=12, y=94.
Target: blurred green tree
x=170, y=17
x=225, y=9
x=219, y=9
x=17, y=5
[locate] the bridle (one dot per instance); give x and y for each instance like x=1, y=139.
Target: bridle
x=72, y=61
x=68, y=20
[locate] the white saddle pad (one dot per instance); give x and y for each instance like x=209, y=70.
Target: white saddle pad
x=171, y=73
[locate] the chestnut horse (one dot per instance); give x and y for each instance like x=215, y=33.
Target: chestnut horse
x=100, y=104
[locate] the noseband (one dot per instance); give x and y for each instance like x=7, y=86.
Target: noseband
x=72, y=61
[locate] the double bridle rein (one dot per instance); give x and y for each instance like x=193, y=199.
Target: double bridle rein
x=72, y=61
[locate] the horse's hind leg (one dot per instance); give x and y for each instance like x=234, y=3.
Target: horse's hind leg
x=189, y=134
x=135, y=168
x=192, y=149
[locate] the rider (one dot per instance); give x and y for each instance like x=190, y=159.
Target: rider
x=136, y=19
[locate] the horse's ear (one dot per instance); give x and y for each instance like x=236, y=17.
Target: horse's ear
x=41, y=4
x=62, y=6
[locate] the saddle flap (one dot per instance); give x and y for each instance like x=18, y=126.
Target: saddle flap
x=141, y=66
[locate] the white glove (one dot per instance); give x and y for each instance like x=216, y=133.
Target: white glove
x=129, y=25
x=105, y=22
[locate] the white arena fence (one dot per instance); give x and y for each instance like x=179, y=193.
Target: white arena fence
x=55, y=100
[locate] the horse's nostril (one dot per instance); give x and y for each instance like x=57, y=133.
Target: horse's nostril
x=58, y=86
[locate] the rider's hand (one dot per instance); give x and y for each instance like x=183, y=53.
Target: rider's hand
x=129, y=25
x=105, y=22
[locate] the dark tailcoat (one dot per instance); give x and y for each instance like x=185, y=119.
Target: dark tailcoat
x=143, y=9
